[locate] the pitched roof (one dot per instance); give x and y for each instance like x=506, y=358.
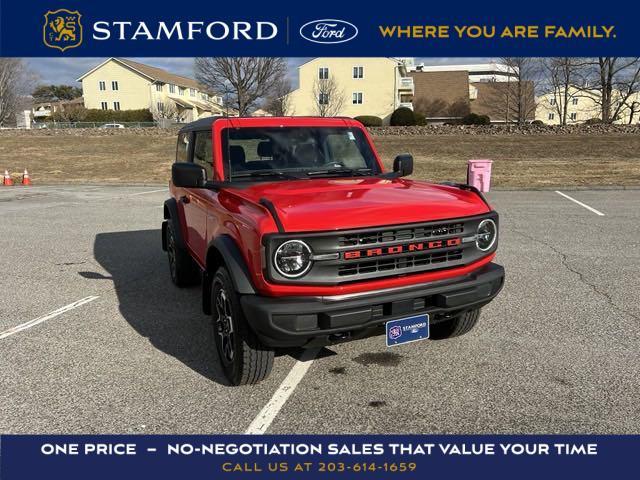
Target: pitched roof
x=153, y=73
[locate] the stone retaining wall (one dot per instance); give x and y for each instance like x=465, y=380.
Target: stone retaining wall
x=598, y=129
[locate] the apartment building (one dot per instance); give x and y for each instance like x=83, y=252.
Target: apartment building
x=444, y=93
x=583, y=105
x=362, y=86
x=121, y=84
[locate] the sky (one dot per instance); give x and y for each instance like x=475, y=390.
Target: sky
x=67, y=70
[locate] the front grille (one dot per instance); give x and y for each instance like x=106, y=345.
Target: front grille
x=397, y=264
x=399, y=235
x=374, y=253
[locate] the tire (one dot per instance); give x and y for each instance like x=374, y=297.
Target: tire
x=244, y=359
x=456, y=326
x=184, y=271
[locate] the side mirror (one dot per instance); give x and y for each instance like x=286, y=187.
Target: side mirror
x=403, y=165
x=188, y=175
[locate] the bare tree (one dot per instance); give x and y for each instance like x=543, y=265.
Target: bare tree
x=611, y=83
x=328, y=97
x=561, y=75
x=70, y=113
x=634, y=107
x=12, y=85
x=519, y=91
x=165, y=114
x=247, y=79
x=278, y=101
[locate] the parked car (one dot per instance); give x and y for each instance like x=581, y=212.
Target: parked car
x=300, y=238
x=112, y=125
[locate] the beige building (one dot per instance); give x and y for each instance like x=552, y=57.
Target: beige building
x=363, y=86
x=121, y=84
x=583, y=105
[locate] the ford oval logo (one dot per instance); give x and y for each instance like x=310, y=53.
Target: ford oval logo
x=328, y=30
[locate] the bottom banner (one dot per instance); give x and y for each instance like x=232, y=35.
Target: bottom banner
x=309, y=456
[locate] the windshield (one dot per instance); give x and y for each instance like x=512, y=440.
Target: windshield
x=296, y=152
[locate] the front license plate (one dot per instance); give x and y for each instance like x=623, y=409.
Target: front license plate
x=407, y=330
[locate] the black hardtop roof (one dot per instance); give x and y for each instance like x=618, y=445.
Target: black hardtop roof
x=201, y=124
x=207, y=122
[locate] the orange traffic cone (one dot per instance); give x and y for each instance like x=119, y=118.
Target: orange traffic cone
x=8, y=181
x=26, y=180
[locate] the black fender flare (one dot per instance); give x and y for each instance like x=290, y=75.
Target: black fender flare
x=232, y=258
x=171, y=215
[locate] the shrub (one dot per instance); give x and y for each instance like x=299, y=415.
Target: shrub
x=475, y=119
x=419, y=118
x=402, y=117
x=96, y=115
x=537, y=122
x=592, y=121
x=369, y=120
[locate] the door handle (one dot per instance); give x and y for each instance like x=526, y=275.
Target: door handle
x=184, y=199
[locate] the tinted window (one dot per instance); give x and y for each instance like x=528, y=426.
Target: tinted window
x=203, y=153
x=182, y=149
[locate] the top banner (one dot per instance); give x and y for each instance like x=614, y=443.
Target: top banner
x=64, y=28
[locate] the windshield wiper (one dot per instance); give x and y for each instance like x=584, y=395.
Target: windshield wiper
x=264, y=173
x=335, y=171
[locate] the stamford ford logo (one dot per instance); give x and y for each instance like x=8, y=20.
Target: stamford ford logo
x=395, y=332
x=328, y=31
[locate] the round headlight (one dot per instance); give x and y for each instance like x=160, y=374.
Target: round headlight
x=487, y=234
x=292, y=259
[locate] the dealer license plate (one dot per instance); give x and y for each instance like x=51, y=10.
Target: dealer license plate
x=407, y=330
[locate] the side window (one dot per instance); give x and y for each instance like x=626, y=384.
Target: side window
x=183, y=147
x=203, y=152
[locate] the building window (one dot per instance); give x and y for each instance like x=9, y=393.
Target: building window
x=114, y=85
x=356, y=98
x=192, y=92
x=172, y=88
x=323, y=99
x=160, y=106
x=574, y=101
x=158, y=87
x=553, y=101
x=181, y=91
x=551, y=116
x=102, y=85
x=104, y=105
x=358, y=72
x=116, y=105
x=323, y=73
x=573, y=116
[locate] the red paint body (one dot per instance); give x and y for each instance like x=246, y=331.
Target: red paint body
x=323, y=204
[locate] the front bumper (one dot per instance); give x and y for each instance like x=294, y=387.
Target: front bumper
x=316, y=321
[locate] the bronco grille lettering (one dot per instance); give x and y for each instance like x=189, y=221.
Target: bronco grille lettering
x=397, y=249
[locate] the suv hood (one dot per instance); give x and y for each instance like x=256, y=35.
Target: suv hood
x=343, y=203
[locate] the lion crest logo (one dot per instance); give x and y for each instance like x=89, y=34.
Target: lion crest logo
x=62, y=29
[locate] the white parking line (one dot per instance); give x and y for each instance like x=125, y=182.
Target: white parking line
x=150, y=191
x=597, y=212
x=263, y=420
x=48, y=316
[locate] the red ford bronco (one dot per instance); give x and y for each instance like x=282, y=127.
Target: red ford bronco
x=301, y=239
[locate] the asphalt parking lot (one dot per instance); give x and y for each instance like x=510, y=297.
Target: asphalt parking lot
x=557, y=352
